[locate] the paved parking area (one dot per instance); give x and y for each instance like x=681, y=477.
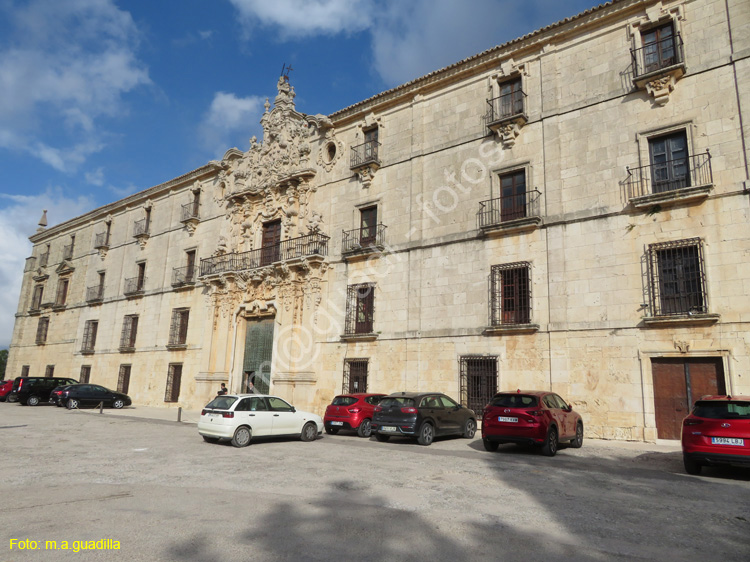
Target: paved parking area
x=153, y=485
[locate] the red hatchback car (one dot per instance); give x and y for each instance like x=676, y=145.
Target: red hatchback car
x=351, y=411
x=530, y=417
x=5, y=388
x=717, y=431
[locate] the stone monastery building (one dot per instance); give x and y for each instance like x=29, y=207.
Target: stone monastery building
x=567, y=211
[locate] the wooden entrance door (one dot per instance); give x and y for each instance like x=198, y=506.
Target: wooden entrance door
x=678, y=383
x=270, y=251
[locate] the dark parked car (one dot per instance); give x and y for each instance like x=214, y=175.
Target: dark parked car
x=530, y=417
x=80, y=395
x=717, y=431
x=424, y=415
x=33, y=390
x=54, y=396
x=351, y=411
x=5, y=388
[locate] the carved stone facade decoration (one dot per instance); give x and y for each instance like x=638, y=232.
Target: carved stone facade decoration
x=660, y=88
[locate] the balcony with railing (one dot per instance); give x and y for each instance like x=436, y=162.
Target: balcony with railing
x=101, y=240
x=140, y=228
x=94, y=294
x=68, y=252
x=30, y=264
x=184, y=276
x=134, y=286
x=510, y=213
x=308, y=246
x=670, y=182
x=189, y=212
x=365, y=154
x=363, y=241
x=658, y=58
x=506, y=108
x=44, y=259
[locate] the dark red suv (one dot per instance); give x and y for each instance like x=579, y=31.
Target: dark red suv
x=351, y=411
x=717, y=431
x=530, y=417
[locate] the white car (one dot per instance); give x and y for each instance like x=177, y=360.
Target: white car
x=240, y=417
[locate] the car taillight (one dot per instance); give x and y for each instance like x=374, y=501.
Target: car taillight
x=691, y=421
x=227, y=414
x=535, y=412
x=204, y=412
x=20, y=384
x=409, y=410
x=378, y=409
x=355, y=410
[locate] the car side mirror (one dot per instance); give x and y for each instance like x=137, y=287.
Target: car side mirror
x=568, y=408
x=294, y=409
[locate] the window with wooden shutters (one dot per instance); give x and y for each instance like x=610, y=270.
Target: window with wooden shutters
x=271, y=242
x=360, y=308
x=510, y=294
x=62, y=292
x=368, y=225
x=85, y=376
x=659, y=48
x=49, y=371
x=25, y=371
x=41, y=330
x=123, y=379
x=36, y=299
x=174, y=378
x=89, y=336
x=179, y=327
x=129, y=331
x=355, y=376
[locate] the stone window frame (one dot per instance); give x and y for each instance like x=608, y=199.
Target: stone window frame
x=655, y=17
x=644, y=137
x=42, y=330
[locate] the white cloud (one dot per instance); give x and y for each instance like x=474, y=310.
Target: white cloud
x=300, y=18
x=229, y=121
x=19, y=216
x=95, y=177
x=64, y=65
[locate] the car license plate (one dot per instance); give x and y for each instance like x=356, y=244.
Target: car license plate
x=391, y=428
x=509, y=420
x=727, y=441
x=337, y=423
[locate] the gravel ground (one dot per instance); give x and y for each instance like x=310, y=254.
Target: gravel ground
x=164, y=494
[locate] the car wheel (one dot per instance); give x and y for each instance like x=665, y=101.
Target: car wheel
x=549, y=448
x=365, y=428
x=309, y=432
x=72, y=404
x=470, y=429
x=691, y=466
x=382, y=438
x=117, y=404
x=332, y=430
x=490, y=446
x=32, y=401
x=426, y=434
x=242, y=436
x=577, y=441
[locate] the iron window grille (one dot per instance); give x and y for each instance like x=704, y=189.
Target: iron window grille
x=360, y=308
x=179, y=326
x=677, y=279
x=89, y=336
x=42, y=328
x=49, y=371
x=123, y=379
x=174, y=378
x=129, y=331
x=85, y=375
x=355, y=376
x=510, y=294
x=478, y=381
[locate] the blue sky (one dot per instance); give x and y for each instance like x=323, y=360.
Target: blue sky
x=103, y=98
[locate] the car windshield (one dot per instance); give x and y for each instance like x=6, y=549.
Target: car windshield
x=222, y=402
x=723, y=410
x=343, y=401
x=514, y=401
x=397, y=401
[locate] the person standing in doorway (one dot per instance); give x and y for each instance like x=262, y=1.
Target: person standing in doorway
x=223, y=390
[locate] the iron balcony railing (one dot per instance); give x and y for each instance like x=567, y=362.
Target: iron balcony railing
x=505, y=106
x=657, y=55
x=44, y=259
x=362, y=238
x=183, y=276
x=140, y=227
x=95, y=293
x=134, y=285
x=101, y=240
x=68, y=252
x=308, y=245
x=692, y=171
x=507, y=208
x=365, y=153
x=30, y=264
x=189, y=211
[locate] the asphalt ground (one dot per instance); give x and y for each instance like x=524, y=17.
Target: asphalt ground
x=152, y=484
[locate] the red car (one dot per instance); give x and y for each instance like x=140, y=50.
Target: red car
x=717, y=431
x=530, y=417
x=5, y=388
x=351, y=411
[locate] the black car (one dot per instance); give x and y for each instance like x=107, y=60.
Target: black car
x=424, y=415
x=80, y=395
x=33, y=390
x=54, y=396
